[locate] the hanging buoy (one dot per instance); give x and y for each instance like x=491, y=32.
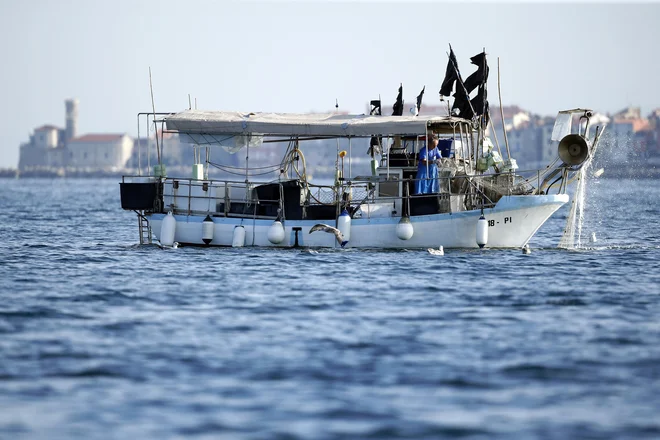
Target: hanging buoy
x=167, y=230
x=276, y=232
x=404, y=229
x=207, y=230
x=482, y=231
x=344, y=225
x=239, y=236
x=526, y=250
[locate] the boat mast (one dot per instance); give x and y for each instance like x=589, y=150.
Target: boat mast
x=247, y=159
x=482, y=118
x=153, y=107
x=499, y=92
x=139, y=148
x=338, y=176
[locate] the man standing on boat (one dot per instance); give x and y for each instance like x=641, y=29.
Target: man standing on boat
x=427, y=169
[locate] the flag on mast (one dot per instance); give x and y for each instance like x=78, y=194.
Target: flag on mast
x=398, y=105
x=418, y=105
x=480, y=76
x=452, y=74
x=375, y=108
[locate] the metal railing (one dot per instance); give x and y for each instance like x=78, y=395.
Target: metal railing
x=229, y=198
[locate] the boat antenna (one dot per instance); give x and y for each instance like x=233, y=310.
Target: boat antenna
x=189, y=102
x=499, y=92
x=153, y=107
x=337, y=174
x=497, y=142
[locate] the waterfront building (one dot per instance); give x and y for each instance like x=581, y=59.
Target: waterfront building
x=54, y=149
x=102, y=152
x=44, y=150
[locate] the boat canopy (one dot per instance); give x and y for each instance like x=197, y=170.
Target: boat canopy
x=307, y=124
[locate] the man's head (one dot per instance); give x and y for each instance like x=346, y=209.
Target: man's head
x=433, y=140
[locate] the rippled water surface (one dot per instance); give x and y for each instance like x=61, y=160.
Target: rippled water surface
x=103, y=338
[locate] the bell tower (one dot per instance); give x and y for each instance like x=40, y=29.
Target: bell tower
x=71, y=118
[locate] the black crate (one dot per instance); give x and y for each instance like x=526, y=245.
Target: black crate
x=424, y=204
x=138, y=196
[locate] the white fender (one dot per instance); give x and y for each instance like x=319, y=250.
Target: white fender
x=482, y=231
x=207, y=230
x=276, y=232
x=404, y=229
x=239, y=237
x=167, y=230
x=344, y=225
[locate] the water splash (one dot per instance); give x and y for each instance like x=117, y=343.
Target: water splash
x=576, y=215
x=575, y=220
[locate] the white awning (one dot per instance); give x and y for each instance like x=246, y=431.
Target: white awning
x=309, y=124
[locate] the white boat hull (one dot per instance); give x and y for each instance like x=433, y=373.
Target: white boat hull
x=512, y=223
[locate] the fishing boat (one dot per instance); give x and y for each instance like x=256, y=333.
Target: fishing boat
x=478, y=197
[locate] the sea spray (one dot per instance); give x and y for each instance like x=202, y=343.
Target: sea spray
x=575, y=218
x=576, y=214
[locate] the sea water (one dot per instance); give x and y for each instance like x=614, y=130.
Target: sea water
x=103, y=338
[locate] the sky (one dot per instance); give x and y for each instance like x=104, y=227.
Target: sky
x=301, y=56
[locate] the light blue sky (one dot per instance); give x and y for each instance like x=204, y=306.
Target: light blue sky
x=300, y=56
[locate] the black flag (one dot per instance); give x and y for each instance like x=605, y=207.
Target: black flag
x=419, y=101
x=451, y=75
x=461, y=106
x=481, y=75
x=398, y=105
x=467, y=108
x=375, y=108
x=464, y=106
x=480, y=103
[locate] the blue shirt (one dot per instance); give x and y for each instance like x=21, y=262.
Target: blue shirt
x=434, y=154
x=427, y=183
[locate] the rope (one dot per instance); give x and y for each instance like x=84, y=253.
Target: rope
x=289, y=162
x=282, y=213
x=224, y=168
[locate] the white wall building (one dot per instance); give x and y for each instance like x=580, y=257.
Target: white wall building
x=45, y=149
x=46, y=136
x=549, y=148
x=100, y=151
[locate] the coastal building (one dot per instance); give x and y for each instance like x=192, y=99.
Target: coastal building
x=45, y=149
x=54, y=149
x=654, y=134
x=628, y=135
x=103, y=152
